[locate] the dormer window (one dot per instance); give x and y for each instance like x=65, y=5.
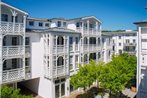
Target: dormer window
x=40, y=24
x=78, y=24
x=64, y=24
x=31, y=23
x=59, y=23
x=47, y=24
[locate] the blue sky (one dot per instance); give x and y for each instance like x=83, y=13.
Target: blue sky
x=115, y=14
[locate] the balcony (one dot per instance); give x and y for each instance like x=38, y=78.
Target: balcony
x=27, y=72
x=57, y=72
x=9, y=27
x=59, y=49
x=129, y=44
x=87, y=32
x=13, y=75
x=91, y=47
x=27, y=51
x=13, y=51
x=130, y=52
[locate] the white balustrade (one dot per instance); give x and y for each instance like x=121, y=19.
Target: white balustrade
x=13, y=51
x=9, y=27
x=60, y=49
x=92, y=47
x=13, y=75
x=57, y=71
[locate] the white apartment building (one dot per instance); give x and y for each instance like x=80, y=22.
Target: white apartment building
x=124, y=42
x=42, y=54
x=142, y=59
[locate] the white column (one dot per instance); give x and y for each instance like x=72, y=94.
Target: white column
x=82, y=28
x=96, y=31
x=67, y=86
x=14, y=15
x=88, y=27
x=138, y=61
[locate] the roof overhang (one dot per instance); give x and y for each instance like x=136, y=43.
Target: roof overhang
x=2, y=3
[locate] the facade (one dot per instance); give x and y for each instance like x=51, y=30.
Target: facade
x=12, y=45
x=124, y=42
x=142, y=59
x=42, y=54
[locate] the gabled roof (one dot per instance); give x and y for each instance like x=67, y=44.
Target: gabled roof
x=85, y=17
x=2, y=3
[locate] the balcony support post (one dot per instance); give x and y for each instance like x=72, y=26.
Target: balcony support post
x=88, y=27
x=14, y=15
x=96, y=27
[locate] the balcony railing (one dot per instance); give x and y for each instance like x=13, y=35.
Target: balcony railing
x=129, y=44
x=91, y=31
x=57, y=71
x=10, y=27
x=27, y=50
x=27, y=72
x=13, y=51
x=92, y=47
x=60, y=49
x=13, y=75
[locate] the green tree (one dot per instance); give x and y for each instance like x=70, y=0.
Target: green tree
x=9, y=92
x=117, y=73
x=86, y=75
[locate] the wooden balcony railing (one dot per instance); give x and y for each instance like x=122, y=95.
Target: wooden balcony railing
x=60, y=49
x=56, y=71
x=10, y=27
x=13, y=75
x=13, y=51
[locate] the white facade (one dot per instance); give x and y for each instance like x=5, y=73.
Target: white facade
x=42, y=54
x=12, y=43
x=142, y=59
x=124, y=42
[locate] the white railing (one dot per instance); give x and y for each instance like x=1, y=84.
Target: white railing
x=9, y=27
x=56, y=72
x=91, y=31
x=13, y=75
x=70, y=47
x=59, y=71
x=144, y=51
x=60, y=49
x=91, y=47
x=129, y=44
x=13, y=51
x=27, y=50
x=27, y=72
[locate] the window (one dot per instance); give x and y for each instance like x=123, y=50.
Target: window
x=4, y=17
x=64, y=24
x=127, y=41
x=77, y=40
x=40, y=24
x=31, y=23
x=119, y=37
x=47, y=24
x=70, y=40
x=59, y=23
x=27, y=41
x=119, y=44
x=77, y=24
x=134, y=41
x=16, y=19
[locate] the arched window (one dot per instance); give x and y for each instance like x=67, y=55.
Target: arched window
x=60, y=61
x=60, y=40
x=85, y=40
